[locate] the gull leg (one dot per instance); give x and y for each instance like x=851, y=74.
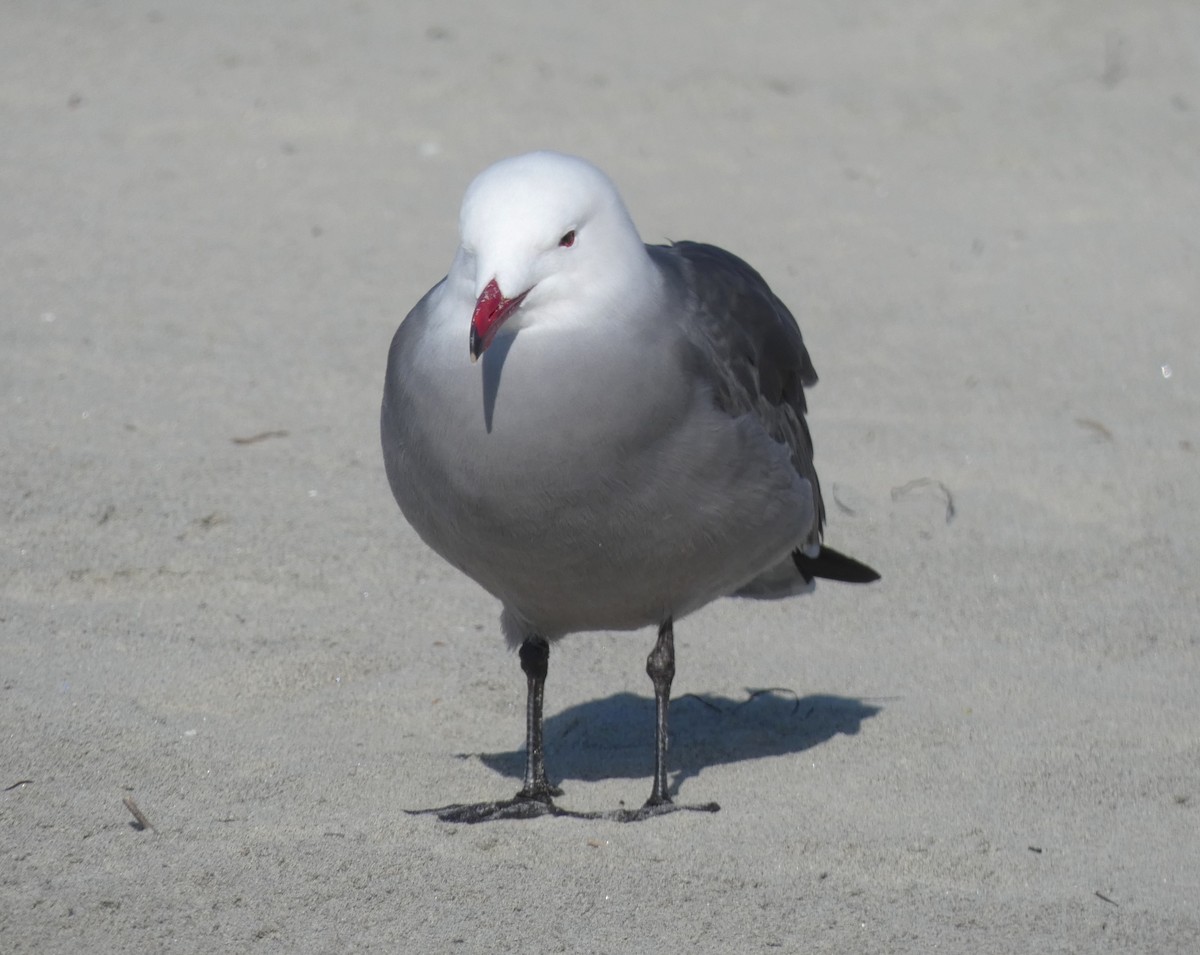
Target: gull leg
x=536, y=797
x=660, y=666
x=535, y=658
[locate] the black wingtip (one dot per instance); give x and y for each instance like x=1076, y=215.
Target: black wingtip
x=829, y=564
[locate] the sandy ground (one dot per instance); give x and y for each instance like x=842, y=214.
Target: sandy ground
x=986, y=217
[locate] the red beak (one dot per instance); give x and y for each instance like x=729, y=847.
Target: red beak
x=490, y=313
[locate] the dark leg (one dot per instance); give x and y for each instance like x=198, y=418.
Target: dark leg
x=660, y=666
x=535, y=658
x=536, y=796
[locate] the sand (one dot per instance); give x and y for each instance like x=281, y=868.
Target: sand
x=985, y=217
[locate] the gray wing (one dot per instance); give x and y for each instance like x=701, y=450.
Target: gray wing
x=748, y=345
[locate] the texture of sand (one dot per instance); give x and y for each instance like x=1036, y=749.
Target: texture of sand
x=986, y=217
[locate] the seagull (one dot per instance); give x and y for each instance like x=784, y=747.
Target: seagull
x=603, y=434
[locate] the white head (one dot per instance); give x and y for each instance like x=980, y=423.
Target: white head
x=544, y=238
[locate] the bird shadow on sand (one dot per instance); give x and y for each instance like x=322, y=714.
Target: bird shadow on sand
x=613, y=738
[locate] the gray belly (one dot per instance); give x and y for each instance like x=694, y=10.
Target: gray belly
x=582, y=506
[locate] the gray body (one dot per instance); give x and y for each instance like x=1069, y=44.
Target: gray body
x=617, y=473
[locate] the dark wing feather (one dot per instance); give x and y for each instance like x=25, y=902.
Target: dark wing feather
x=749, y=346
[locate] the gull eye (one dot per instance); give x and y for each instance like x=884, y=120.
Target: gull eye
x=567, y=240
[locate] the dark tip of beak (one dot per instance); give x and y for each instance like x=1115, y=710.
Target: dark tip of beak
x=492, y=309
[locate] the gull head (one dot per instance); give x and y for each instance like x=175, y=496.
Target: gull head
x=544, y=240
